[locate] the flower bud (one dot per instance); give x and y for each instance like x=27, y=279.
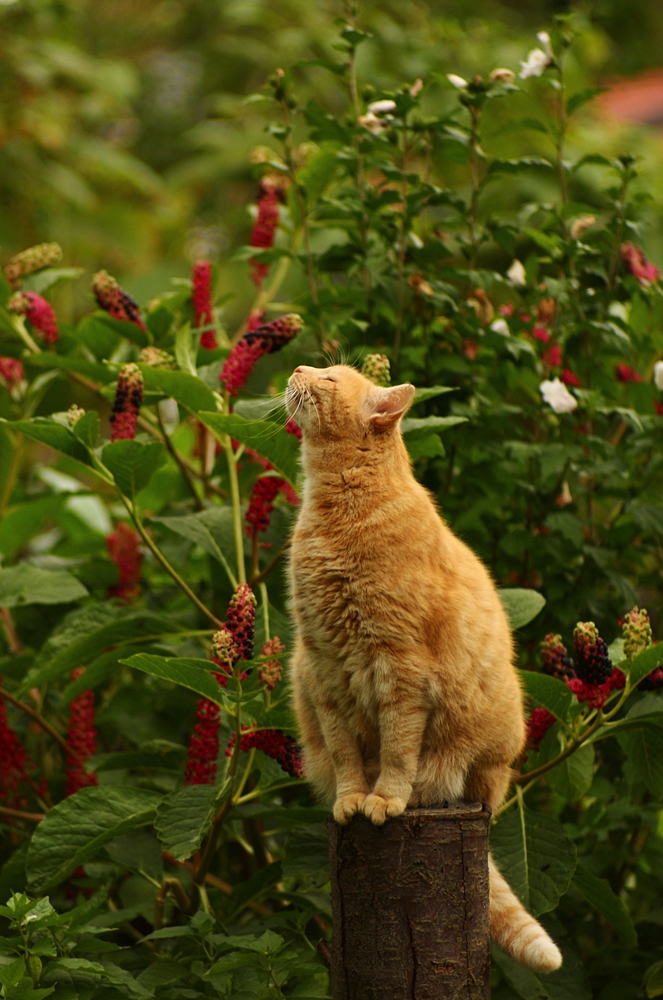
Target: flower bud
x=127, y=403
x=580, y=225
x=31, y=260
x=156, y=358
x=39, y=312
x=74, y=414
x=502, y=76
x=114, y=300
x=269, y=673
x=382, y=107
x=456, y=81
x=637, y=632
x=376, y=368
x=517, y=274
x=556, y=661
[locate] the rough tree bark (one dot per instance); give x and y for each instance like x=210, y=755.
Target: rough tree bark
x=410, y=906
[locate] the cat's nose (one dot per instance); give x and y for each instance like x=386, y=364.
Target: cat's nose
x=298, y=369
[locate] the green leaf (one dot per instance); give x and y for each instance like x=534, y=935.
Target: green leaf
x=49, y=277
x=193, y=674
x=424, y=446
x=187, y=389
x=521, y=605
x=568, y=983
x=318, y=173
x=273, y=443
x=25, y=584
x=307, y=854
x=54, y=434
x=86, y=428
x=424, y=425
x=654, y=980
x=535, y=855
x=185, y=815
x=643, y=664
x=138, y=850
x=185, y=350
x=212, y=529
x=79, y=366
x=598, y=894
x=23, y=522
x=133, y=464
x=577, y=100
x=429, y=392
x=548, y=692
x=75, y=830
x=573, y=776
x=515, y=166
x=644, y=748
x=156, y=755
x=11, y=975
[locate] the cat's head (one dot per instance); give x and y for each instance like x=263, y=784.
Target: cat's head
x=339, y=403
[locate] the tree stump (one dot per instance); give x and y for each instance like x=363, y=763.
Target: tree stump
x=410, y=906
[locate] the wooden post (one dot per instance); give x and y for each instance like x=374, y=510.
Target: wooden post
x=410, y=906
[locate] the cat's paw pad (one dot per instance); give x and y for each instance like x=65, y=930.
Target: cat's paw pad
x=347, y=805
x=378, y=808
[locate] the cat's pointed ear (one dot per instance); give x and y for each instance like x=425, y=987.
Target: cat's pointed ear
x=389, y=405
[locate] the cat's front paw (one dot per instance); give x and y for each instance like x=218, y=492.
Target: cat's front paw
x=347, y=805
x=378, y=808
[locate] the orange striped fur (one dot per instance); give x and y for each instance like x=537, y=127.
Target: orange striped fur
x=403, y=676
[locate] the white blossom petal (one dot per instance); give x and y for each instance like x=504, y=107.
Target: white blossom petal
x=501, y=326
x=658, y=374
x=537, y=61
x=558, y=396
x=381, y=107
x=517, y=275
x=544, y=38
x=457, y=81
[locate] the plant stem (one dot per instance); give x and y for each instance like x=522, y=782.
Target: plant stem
x=180, y=464
x=475, y=114
x=164, y=562
x=19, y=814
x=13, y=640
x=39, y=719
x=270, y=566
x=237, y=506
x=402, y=249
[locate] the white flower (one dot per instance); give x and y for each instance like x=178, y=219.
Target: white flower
x=500, y=326
x=416, y=87
x=537, y=61
x=558, y=396
x=544, y=38
x=457, y=81
x=516, y=274
x=580, y=225
x=501, y=75
x=381, y=107
x=658, y=374
x=372, y=123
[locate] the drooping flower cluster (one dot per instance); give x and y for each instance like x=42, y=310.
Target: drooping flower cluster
x=556, y=661
x=538, y=725
x=31, y=260
x=201, y=294
x=376, y=368
x=230, y=645
x=265, y=339
x=114, y=300
x=266, y=223
x=81, y=739
x=270, y=671
x=14, y=761
x=39, y=312
x=638, y=264
x=276, y=744
x=261, y=504
x=11, y=372
x=123, y=548
x=591, y=675
x=127, y=403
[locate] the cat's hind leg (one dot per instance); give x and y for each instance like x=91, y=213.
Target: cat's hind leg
x=318, y=765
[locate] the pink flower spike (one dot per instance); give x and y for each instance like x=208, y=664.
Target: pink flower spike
x=569, y=377
x=625, y=373
x=541, y=333
x=39, y=312
x=81, y=739
x=11, y=371
x=638, y=264
x=201, y=279
x=114, y=300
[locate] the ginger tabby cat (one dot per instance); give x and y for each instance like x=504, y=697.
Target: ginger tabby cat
x=403, y=676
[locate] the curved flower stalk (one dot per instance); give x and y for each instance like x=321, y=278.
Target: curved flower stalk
x=33, y=259
x=114, y=300
x=81, y=739
x=39, y=312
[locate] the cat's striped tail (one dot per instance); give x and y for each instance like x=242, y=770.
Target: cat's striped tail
x=516, y=931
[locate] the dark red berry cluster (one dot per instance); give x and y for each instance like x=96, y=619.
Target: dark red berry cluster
x=127, y=403
x=240, y=620
x=201, y=282
x=538, y=725
x=276, y=744
x=257, y=341
x=114, y=300
x=81, y=739
x=204, y=745
x=123, y=548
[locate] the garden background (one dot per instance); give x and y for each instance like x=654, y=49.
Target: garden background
x=464, y=196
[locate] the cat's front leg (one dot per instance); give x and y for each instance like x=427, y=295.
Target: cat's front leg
x=402, y=723
x=351, y=784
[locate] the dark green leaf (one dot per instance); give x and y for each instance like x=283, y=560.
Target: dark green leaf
x=133, y=464
x=49, y=277
x=654, y=980
x=521, y=605
x=193, y=674
x=187, y=389
x=573, y=776
x=643, y=745
x=86, y=428
x=25, y=584
x=548, y=692
x=424, y=425
x=273, y=443
x=80, y=366
x=430, y=392
x=598, y=894
x=568, y=983
x=55, y=435
x=643, y=664
x=212, y=529
x=577, y=100
x=23, y=522
x=307, y=854
x=185, y=816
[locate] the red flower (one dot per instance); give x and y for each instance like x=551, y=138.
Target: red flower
x=261, y=504
x=638, y=265
x=506, y=310
x=266, y=339
x=127, y=403
x=204, y=745
x=553, y=356
x=255, y=320
x=11, y=371
x=14, y=761
x=658, y=407
x=540, y=333
x=81, y=739
x=266, y=224
x=240, y=620
x=569, y=377
x=39, y=312
x=556, y=661
x=293, y=428
x=122, y=545
x=596, y=695
x=269, y=673
x=201, y=278
x=538, y=725
x=627, y=374
x=114, y=300
x=283, y=749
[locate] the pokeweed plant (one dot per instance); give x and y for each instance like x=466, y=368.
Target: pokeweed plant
x=151, y=781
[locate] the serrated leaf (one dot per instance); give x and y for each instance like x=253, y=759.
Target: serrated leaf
x=132, y=464
x=75, y=829
x=25, y=584
x=600, y=896
x=187, y=389
x=548, y=692
x=185, y=815
x=273, y=443
x=643, y=664
x=49, y=277
x=80, y=366
x=185, y=350
x=193, y=674
x=424, y=446
x=535, y=855
x=521, y=605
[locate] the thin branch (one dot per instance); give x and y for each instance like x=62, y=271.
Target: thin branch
x=13, y=640
x=179, y=462
x=255, y=580
x=39, y=719
x=19, y=814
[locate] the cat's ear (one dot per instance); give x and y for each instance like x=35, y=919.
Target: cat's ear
x=388, y=405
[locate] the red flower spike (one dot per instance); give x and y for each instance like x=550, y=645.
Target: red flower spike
x=266, y=224
x=255, y=320
x=127, y=403
x=261, y=504
x=283, y=749
x=658, y=407
x=541, y=334
x=240, y=620
x=39, y=312
x=596, y=695
x=201, y=279
x=569, y=377
x=204, y=745
x=265, y=339
x=81, y=739
x=270, y=671
x=625, y=373
x=293, y=428
x=14, y=761
x=114, y=300
x=638, y=265
x=11, y=372
x=538, y=725
x=553, y=356
x=122, y=545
